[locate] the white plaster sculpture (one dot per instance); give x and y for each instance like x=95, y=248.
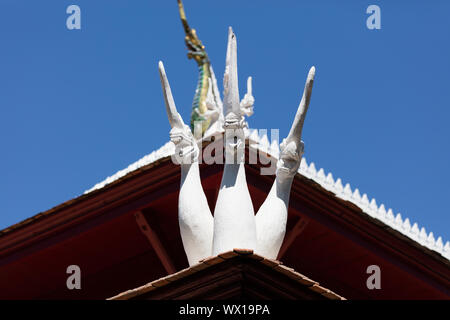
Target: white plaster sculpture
x=194, y=216
x=234, y=224
x=234, y=218
x=271, y=218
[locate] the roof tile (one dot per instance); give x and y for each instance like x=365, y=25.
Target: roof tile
x=205, y=263
x=160, y=282
x=256, y=257
x=181, y=274
x=243, y=251
x=270, y=263
x=200, y=266
x=228, y=255
x=319, y=289
x=333, y=296
x=210, y=261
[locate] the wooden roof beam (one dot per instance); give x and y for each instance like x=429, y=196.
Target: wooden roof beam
x=155, y=243
x=292, y=235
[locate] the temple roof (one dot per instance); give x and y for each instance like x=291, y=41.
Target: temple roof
x=243, y=274
x=126, y=233
x=326, y=181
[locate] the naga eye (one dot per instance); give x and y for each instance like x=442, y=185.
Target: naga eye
x=235, y=139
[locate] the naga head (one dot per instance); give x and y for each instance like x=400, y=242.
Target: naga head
x=186, y=149
x=291, y=149
x=290, y=156
x=196, y=50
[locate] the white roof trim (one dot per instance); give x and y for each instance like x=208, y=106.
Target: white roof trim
x=165, y=151
x=327, y=182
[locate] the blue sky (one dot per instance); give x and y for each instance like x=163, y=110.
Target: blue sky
x=77, y=106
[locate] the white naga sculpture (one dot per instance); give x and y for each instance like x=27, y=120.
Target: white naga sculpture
x=234, y=224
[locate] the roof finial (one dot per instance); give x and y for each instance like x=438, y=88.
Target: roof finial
x=207, y=106
x=196, y=49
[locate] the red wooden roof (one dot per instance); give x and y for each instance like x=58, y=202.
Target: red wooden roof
x=126, y=234
x=237, y=274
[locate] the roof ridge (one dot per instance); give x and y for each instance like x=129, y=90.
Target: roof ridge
x=222, y=257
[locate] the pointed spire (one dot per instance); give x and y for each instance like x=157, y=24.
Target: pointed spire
x=230, y=80
x=430, y=240
x=415, y=229
x=398, y=220
x=330, y=179
x=172, y=113
x=423, y=234
x=382, y=212
x=338, y=186
x=439, y=243
x=390, y=216
x=365, y=200
x=447, y=247
x=373, y=205
x=446, y=250
x=356, y=196
x=312, y=170
x=348, y=190
x=406, y=225
x=321, y=175
x=295, y=133
x=303, y=165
